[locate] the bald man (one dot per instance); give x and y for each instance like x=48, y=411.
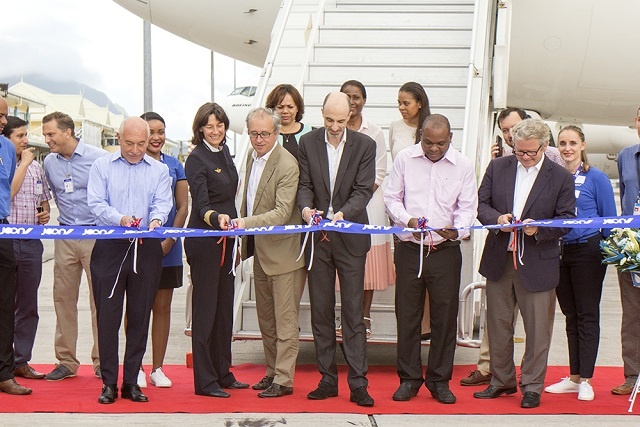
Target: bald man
x=124, y=187
x=337, y=173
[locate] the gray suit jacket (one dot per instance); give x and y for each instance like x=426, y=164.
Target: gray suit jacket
x=552, y=196
x=353, y=187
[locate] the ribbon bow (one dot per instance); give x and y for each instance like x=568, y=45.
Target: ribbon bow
x=133, y=223
x=314, y=220
x=422, y=225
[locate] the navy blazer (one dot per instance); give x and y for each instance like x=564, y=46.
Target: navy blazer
x=552, y=196
x=354, y=182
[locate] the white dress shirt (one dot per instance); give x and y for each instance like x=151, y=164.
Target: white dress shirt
x=334, y=154
x=254, y=177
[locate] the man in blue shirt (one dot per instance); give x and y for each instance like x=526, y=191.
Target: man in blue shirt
x=127, y=188
x=629, y=170
x=7, y=265
x=67, y=171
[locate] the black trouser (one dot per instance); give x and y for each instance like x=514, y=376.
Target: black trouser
x=441, y=277
x=7, y=303
x=332, y=255
x=107, y=258
x=212, y=323
x=579, y=292
x=28, y=253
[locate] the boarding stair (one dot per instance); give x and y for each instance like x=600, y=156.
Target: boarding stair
x=383, y=44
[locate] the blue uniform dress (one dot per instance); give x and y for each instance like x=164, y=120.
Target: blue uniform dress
x=172, y=262
x=582, y=271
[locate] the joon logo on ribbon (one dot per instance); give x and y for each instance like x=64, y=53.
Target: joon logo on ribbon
x=96, y=232
x=15, y=230
x=56, y=231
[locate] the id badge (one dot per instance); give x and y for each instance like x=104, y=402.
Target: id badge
x=39, y=188
x=68, y=185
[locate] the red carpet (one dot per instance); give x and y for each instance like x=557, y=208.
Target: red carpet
x=80, y=394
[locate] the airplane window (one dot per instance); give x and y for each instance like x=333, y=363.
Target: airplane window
x=253, y=91
x=246, y=90
x=236, y=91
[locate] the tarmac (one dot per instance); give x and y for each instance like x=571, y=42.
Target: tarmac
x=252, y=352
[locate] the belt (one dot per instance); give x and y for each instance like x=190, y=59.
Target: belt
x=441, y=245
x=583, y=240
x=4, y=221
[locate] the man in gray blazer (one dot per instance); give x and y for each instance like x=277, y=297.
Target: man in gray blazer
x=522, y=267
x=337, y=172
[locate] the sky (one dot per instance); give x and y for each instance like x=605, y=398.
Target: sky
x=99, y=43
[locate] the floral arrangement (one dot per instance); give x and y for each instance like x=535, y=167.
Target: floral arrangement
x=622, y=249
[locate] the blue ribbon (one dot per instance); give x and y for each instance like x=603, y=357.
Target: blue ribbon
x=10, y=231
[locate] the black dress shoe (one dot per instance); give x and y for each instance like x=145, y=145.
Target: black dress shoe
x=405, y=392
x=264, y=384
x=361, y=397
x=109, y=394
x=531, y=399
x=492, y=392
x=276, y=390
x=133, y=392
x=323, y=391
x=237, y=385
x=215, y=393
x=442, y=393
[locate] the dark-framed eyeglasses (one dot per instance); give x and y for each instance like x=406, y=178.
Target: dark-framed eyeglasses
x=263, y=135
x=521, y=153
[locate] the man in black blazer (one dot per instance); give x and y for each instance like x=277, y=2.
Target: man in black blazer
x=523, y=270
x=337, y=172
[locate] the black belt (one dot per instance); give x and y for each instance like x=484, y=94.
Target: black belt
x=445, y=244
x=4, y=221
x=583, y=240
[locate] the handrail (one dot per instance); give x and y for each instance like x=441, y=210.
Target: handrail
x=311, y=42
x=243, y=277
x=477, y=130
x=466, y=317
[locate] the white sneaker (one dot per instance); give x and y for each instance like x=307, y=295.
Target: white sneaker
x=142, y=379
x=159, y=379
x=585, y=391
x=564, y=386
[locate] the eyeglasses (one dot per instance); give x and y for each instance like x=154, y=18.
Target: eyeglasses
x=263, y=135
x=521, y=153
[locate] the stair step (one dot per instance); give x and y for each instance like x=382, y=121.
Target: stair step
x=393, y=55
x=384, y=93
x=384, y=315
x=408, y=36
x=383, y=117
x=389, y=73
x=453, y=5
x=398, y=18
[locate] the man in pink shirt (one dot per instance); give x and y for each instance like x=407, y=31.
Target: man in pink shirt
x=434, y=181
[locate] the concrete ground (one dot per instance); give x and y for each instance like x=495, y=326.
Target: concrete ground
x=251, y=352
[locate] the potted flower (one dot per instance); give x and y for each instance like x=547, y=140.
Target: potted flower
x=622, y=249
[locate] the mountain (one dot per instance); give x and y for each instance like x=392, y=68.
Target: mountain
x=67, y=88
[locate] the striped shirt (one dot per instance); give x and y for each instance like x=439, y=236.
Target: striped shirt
x=32, y=193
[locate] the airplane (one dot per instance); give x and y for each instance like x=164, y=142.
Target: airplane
x=568, y=62
x=562, y=60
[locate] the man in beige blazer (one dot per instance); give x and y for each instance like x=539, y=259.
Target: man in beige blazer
x=270, y=199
